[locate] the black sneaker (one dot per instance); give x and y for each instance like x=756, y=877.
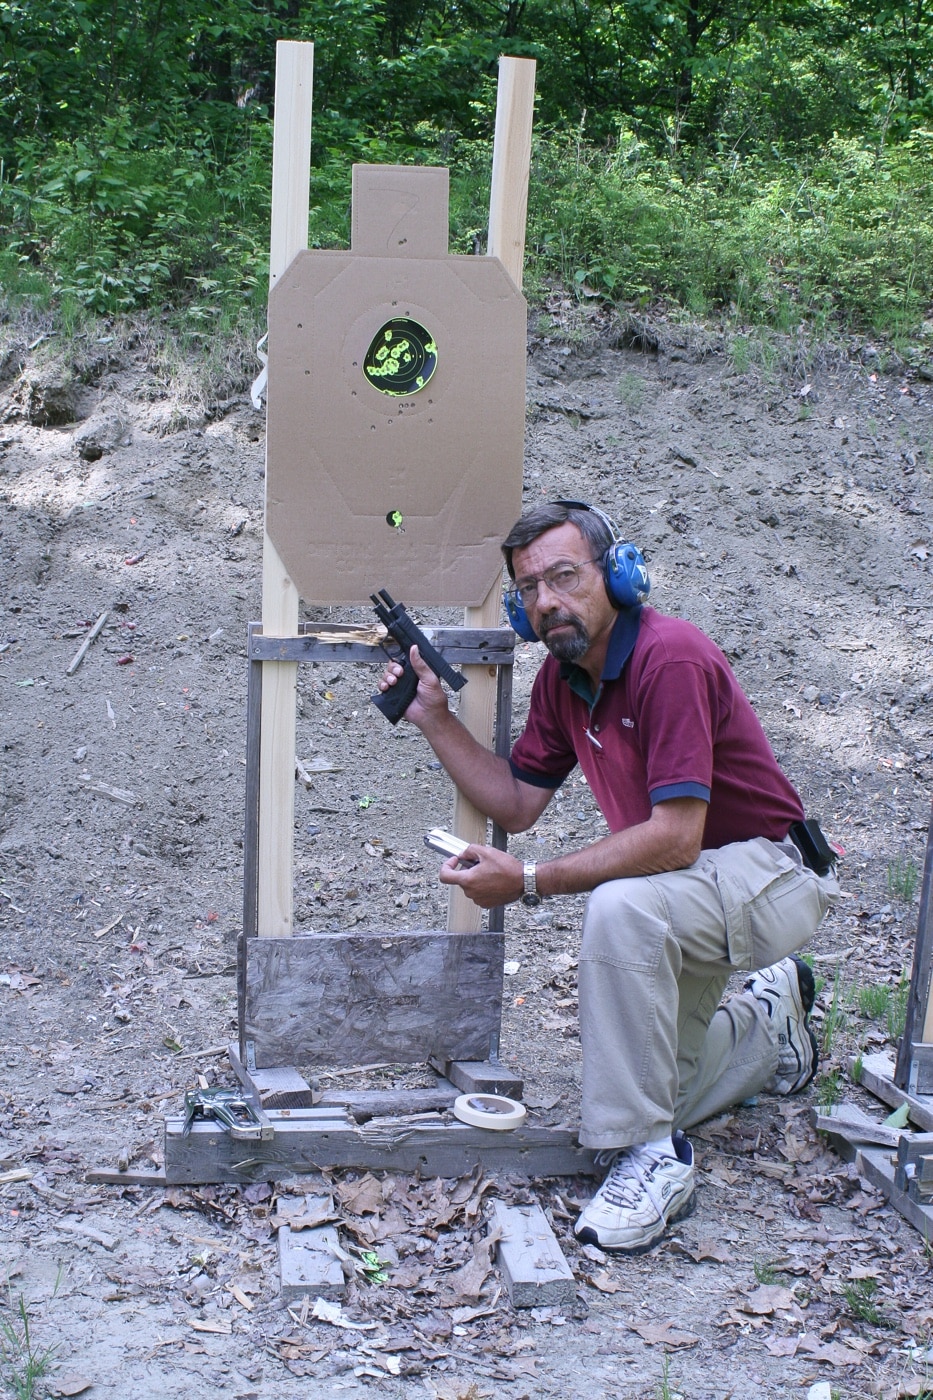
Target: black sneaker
x=787, y=991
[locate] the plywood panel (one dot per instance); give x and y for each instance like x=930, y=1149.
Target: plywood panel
x=361, y=998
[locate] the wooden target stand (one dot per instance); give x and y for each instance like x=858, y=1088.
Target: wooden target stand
x=898, y=1161
x=413, y=997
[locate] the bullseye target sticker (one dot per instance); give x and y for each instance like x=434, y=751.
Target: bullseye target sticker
x=401, y=359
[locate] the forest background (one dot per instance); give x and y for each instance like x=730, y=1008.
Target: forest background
x=763, y=163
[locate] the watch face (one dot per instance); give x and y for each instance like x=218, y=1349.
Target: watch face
x=531, y=901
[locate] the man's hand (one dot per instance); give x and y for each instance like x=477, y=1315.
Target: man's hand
x=493, y=877
x=430, y=700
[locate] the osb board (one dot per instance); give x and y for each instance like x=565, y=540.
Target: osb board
x=360, y=998
x=366, y=489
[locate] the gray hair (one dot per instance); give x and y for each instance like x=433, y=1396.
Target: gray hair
x=591, y=524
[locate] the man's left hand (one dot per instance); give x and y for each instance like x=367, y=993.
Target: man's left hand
x=493, y=877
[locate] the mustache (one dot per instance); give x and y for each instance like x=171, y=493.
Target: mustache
x=559, y=619
x=570, y=647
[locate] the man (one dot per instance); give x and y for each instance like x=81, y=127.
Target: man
x=697, y=877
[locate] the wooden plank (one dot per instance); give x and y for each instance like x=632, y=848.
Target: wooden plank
x=918, y=1025
x=875, y=1165
x=847, y=1125
x=535, y=1271
x=876, y=1074
x=282, y=1087
x=332, y=999
x=308, y=1263
x=511, y=162
x=291, y=163
x=105, y=1176
x=492, y=646
x=312, y=1140
x=482, y=1077
x=363, y=1104
x=508, y=202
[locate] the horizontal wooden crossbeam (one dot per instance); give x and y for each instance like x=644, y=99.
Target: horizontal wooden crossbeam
x=316, y=1139
x=479, y=646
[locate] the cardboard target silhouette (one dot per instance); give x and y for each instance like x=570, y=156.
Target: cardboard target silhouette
x=396, y=405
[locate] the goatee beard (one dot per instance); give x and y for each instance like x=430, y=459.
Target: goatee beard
x=571, y=646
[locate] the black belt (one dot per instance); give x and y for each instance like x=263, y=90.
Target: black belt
x=816, y=851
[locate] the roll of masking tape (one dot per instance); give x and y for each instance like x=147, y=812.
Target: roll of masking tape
x=489, y=1111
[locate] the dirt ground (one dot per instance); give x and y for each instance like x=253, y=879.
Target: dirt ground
x=787, y=515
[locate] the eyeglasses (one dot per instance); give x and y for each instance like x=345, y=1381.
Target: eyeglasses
x=560, y=578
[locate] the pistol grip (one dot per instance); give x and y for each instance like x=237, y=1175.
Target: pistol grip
x=395, y=701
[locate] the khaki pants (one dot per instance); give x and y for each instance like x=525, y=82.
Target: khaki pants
x=656, y=954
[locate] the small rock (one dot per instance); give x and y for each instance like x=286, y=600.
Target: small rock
x=810, y=693
x=101, y=433
x=49, y=396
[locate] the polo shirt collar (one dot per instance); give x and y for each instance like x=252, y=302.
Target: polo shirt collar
x=621, y=645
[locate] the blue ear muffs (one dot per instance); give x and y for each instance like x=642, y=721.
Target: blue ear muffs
x=625, y=575
x=519, y=618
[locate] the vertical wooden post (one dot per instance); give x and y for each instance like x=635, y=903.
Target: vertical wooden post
x=920, y=999
x=291, y=163
x=508, y=206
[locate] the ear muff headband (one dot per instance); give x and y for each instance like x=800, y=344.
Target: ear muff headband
x=625, y=574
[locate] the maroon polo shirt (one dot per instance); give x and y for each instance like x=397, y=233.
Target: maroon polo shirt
x=668, y=720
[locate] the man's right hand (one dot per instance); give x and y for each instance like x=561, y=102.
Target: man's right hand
x=430, y=701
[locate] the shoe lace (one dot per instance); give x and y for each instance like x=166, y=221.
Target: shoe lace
x=626, y=1181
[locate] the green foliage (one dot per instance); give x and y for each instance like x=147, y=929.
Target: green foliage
x=772, y=167
x=902, y=878
x=835, y=1019
x=22, y=1363
x=897, y=1010
x=846, y=236
x=861, y=1301
x=873, y=1001
x=631, y=389
x=829, y=1089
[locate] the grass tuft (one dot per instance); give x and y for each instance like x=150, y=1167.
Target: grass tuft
x=861, y=1302
x=22, y=1363
x=902, y=878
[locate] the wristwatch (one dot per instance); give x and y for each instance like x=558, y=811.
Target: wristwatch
x=531, y=899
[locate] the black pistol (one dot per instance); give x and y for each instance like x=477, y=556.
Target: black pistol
x=407, y=634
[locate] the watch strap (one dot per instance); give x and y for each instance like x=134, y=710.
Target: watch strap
x=529, y=871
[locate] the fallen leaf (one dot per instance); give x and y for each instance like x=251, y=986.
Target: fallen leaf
x=70, y=1385
x=834, y=1353
x=664, y=1334
x=769, y=1298
x=467, y=1281
x=704, y=1249
x=363, y=1197
x=867, y=1271
x=222, y=1329
x=408, y=1274
x=783, y=1346
x=605, y=1283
